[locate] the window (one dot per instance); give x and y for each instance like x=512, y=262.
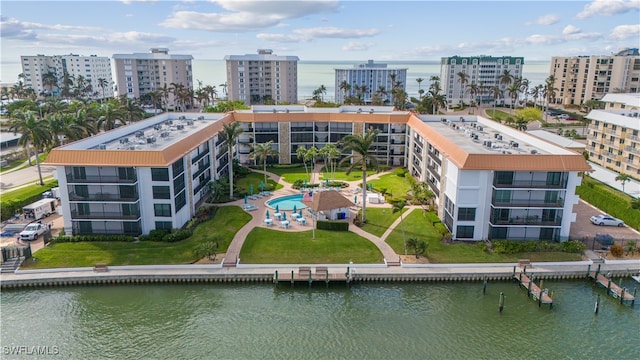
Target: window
x=162, y=210
x=466, y=214
x=161, y=192
x=181, y=201
x=178, y=184
x=164, y=225
x=464, y=232
x=159, y=174
x=178, y=167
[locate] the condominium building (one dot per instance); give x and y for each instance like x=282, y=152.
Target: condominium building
x=490, y=181
x=262, y=78
x=582, y=78
x=139, y=74
x=484, y=72
x=367, y=79
x=50, y=74
x=613, y=140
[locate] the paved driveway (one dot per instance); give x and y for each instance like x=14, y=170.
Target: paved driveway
x=584, y=228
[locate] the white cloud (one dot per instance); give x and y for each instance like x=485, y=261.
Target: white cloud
x=308, y=34
x=246, y=16
x=357, y=46
x=129, y=2
x=622, y=32
x=570, y=29
x=608, y=8
x=548, y=19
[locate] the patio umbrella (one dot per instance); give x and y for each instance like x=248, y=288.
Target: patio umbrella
x=326, y=181
x=355, y=199
x=295, y=208
x=305, y=183
x=245, y=199
x=370, y=186
x=284, y=216
x=261, y=185
x=277, y=208
x=251, y=189
x=300, y=212
x=267, y=214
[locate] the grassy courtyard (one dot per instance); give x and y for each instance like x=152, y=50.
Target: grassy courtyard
x=379, y=220
x=396, y=186
x=244, y=184
x=416, y=225
x=227, y=221
x=266, y=246
x=341, y=174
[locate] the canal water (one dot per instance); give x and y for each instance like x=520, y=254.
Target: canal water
x=366, y=321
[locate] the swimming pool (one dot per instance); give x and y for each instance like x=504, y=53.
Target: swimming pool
x=287, y=202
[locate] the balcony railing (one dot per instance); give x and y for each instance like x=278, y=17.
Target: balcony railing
x=200, y=156
x=103, y=197
x=101, y=179
x=202, y=185
x=528, y=203
x=530, y=184
x=527, y=220
x=435, y=158
x=104, y=215
x=632, y=149
x=201, y=170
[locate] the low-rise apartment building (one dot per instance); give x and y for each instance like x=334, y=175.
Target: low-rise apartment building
x=613, y=140
x=490, y=181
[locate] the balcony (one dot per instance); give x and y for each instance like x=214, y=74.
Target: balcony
x=435, y=158
x=104, y=215
x=200, y=156
x=101, y=179
x=202, y=169
x=527, y=220
x=632, y=149
x=204, y=183
x=103, y=197
x=527, y=203
x=530, y=185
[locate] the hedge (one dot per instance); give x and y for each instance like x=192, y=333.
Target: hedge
x=9, y=207
x=333, y=225
x=515, y=247
x=89, y=238
x=607, y=200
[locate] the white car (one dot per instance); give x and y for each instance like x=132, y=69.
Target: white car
x=33, y=231
x=606, y=220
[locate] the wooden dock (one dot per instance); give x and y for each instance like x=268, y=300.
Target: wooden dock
x=305, y=274
x=612, y=288
x=533, y=290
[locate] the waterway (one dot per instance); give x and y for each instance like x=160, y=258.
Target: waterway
x=366, y=321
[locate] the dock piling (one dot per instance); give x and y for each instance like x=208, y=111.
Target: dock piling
x=484, y=285
x=597, y=308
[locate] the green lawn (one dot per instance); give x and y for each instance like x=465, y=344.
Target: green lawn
x=227, y=221
x=341, y=174
x=379, y=220
x=266, y=246
x=290, y=175
x=439, y=252
x=20, y=162
x=498, y=115
x=29, y=191
x=243, y=184
x=610, y=200
x=395, y=185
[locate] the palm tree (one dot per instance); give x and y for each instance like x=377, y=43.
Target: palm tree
x=463, y=79
x=103, y=83
x=131, y=110
x=110, y=115
x=34, y=132
x=513, y=94
x=521, y=124
x=524, y=88
x=495, y=93
x=623, y=178
x=224, y=89
x=346, y=88
x=473, y=91
x=420, y=91
x=398, y=206
x=260, y=152
x=301, y=153
x=164, y=92
x=50, y=80
x=230, y=134
x=330, y=152
x=323, y=91
x=359, y=145
x=536, y=92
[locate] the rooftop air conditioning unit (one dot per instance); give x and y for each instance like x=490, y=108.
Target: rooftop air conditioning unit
x=484, y=142
x=495, y=136
x=151, y=140
x=200, y=117
x=102, y=147
x=499, y=137
x=180, y=127
x=475, y=136
x=181, y=117
x=165, y=134
x=170, y=122
x=461, y=119
x=131, y=147
x=534, y=152
x=275, y=111
x=157, y=127
x=189, y=122
x=443, y=120
x=371, y=111
x=489, y=143
x=124, y=140
x=480, y=128
x=515, y=144
x=139, y=134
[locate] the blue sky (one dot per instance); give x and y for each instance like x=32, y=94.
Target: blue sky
x=320, y=30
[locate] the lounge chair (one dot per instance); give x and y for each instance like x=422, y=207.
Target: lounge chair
x=250, y=207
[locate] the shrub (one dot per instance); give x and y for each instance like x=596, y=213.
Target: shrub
x=91, y=238
x=401, y=172
x=573, y=246
x=333, y=225
x=483, y=246
x=616, y=250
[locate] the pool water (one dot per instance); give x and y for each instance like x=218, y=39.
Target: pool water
x=287, y=202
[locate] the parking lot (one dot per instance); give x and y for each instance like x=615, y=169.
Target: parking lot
x=583, y=228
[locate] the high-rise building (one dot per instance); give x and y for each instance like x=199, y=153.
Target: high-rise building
x=139, y=74
x=68, y=75
x=582, y=78
x=262, y=78
x=613, y=140
x=481, y=73
x=490, y=180
x=368, y=79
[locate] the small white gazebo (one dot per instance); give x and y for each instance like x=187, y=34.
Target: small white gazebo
x=331, y=204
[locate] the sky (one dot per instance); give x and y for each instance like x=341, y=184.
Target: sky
x=319, y=29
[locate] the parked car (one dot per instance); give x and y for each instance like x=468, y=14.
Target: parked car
x=33, y=231
x=562, y=116
x=606, y=220
x=552, y=113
